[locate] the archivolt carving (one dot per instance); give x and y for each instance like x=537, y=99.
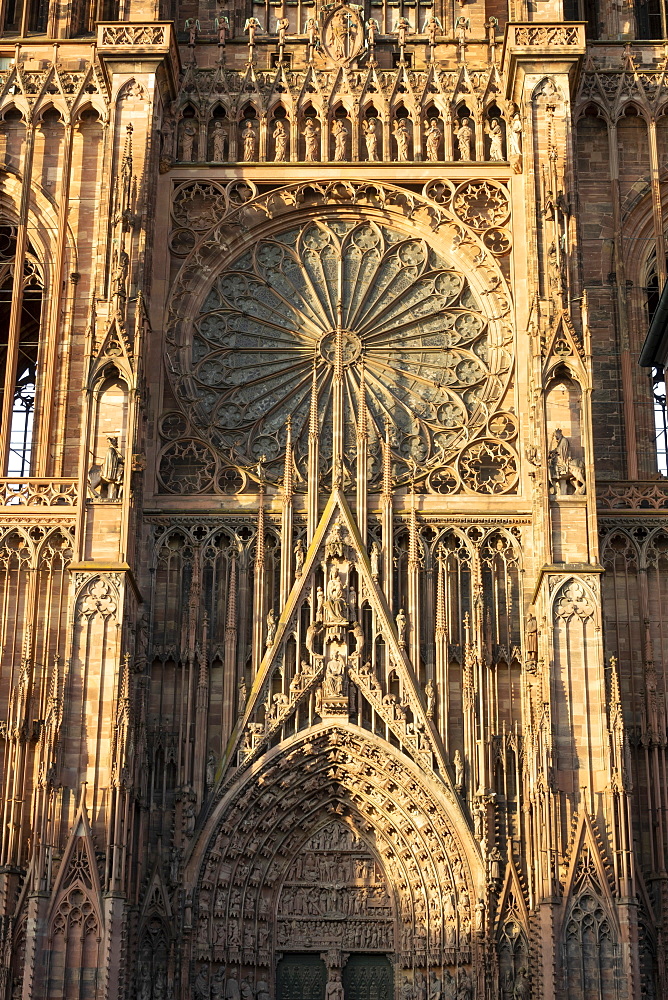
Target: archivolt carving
x=270, y=321
x=338, y=843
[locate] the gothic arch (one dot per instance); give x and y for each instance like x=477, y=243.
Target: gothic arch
x=264, y=816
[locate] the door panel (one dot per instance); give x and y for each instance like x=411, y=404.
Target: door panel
x=300, y=977
x=367, y=977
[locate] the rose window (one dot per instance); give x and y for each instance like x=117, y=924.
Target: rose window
x=411, y=337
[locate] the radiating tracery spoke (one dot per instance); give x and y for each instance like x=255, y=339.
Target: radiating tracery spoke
x=399, y=312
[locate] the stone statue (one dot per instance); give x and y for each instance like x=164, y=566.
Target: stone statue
x=251, y=28
x=430, y=694
x=167, y=133
x=210, y=769
x=335, y=674
x=464, y=987
x=562, y=467
x=459, y=770
x=402, y=138
x=232, y=991
x=311, y=633
x=462, y=26
x=515, y=136
x=495, y=134
x=432, y=27
x=370, y=138
x=340, y=133
x=311, y=29
x=280, y=135
x=271, y=628
x=222, y=26
x=242, y=696
x=319, y=604
x=433, y=136
x=219, y=140
x=188, y=133
x=372, y=29
x=282, y=26
x=464, y=137
x=358, y=635
x=310, y=134
x=374, y=557
x=111, y=473
x=401, y=627
x=402, y=28
x=300, y=555
x=334, y=987
x=335, y=606
x=521, y=986
x=192, y=27
x=249, y=140
x=531, y=639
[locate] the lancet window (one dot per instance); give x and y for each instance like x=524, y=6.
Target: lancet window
x=19, y=351
x=658, y=376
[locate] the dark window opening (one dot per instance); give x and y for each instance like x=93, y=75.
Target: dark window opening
x=648, y=19
x=22, y=382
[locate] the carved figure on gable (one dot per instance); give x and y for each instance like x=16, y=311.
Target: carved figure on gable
x=358, y=635
x=374, y=557
x=432, y=27
x=311, y=29
x=222, y=26
x=271, y=627
x=300, y=555
x=402, y=28
x=335, y=674
x=401, y=627
x=372, y=29
x=251, y=28
x=282, y=26
x=335, y=606
x=280, y=135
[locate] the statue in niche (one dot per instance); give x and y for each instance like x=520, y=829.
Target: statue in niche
x=402, y=138
x=340, y=133
x=335, y=674
x=562, y=467
x=319, y=604
x=111, y=471
x=280, y=135
x=219, y=140
x=495, y=140
x=242, y=696
x=188, y=133
x=310, y=134
x=249, y=141
x=335, y=607
x=370, y=138
x=515, y=142
x=464, y=138
x=433, y=136
x=521, y=986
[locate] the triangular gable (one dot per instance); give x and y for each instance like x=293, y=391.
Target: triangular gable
x=586, y=867
x=419, y=737
x=79, y=863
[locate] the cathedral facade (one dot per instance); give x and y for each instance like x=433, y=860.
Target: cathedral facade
x=334, y=509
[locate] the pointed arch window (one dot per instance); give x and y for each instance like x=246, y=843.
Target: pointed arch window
x=19, y=351
x=658, y=375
